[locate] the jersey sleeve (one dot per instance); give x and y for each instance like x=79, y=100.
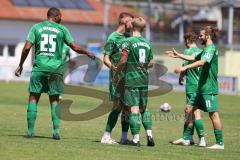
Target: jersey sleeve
x=198, y=57
x=67, y=36
x=197, y=52
x=31, y=35
x=108, y=47
x=208, y=54
x=68, y=51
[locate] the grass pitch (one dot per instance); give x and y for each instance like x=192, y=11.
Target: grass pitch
x=80, y=140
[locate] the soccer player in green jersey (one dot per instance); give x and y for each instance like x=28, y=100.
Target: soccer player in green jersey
x=207, y=97
x=135, y=60
x=192, y=78
x=48, y=37
x=112, y=54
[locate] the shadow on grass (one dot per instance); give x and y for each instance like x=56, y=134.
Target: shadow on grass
x=125, y=145
x=25, y=136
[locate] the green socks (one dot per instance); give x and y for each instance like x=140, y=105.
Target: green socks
x=135, y=123
x=32, y=114
x=187, y=131
x=31, y=117
x=199, y=127
x=219, y=136
x=147, y=120
x=112, y=120
x=55, y=112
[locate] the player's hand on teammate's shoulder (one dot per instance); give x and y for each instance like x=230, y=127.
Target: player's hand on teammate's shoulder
x=18, y=71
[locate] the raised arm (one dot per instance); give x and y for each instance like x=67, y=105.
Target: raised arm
x=25, y=51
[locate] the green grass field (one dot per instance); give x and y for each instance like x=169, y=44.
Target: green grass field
x=80, y=140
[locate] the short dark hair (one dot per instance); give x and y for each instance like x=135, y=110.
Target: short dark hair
x=53, y=12
x=123, y=15
x=191, y=37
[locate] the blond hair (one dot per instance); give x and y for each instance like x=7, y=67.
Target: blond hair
x=139, y=23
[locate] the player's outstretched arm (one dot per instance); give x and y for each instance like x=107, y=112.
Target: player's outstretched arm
x=81, y=50
x=196, y=64
x=28, y=45
x=175, y=54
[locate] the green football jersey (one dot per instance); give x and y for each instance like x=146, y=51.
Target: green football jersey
x=139, y=55
x=48, y=38
x=208, y=80
x=113, y=47
x=192, y=75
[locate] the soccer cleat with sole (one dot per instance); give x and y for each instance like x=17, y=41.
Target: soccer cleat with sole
x=56, y=137
x=108, y=141
x=181, y=141
x=150, y=141
x=132, y=143
x=216, y=146
x=202, y=142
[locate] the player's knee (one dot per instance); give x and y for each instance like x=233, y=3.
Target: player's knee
x=188, y=109
x=33, y=97
x=197, y=114
x=135, y=110
x=214, y=116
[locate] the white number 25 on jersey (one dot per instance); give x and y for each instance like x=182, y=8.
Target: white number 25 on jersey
x=48, y=39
